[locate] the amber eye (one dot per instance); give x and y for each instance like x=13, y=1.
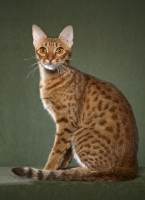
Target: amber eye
x=59, y=50
x=42, y=50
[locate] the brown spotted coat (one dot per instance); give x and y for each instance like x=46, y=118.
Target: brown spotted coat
x=94, y=122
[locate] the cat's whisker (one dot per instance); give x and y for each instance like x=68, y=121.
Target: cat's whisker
x=62, y=68
x=58, y=69
x=33, y=57
x=33, y=64
x=72, y=59
x=33, y=71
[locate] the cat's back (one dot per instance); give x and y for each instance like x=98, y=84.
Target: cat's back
x=102, y=99
x=106, y=98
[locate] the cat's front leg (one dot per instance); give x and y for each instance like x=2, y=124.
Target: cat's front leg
x=61, y=145
x=66, y=159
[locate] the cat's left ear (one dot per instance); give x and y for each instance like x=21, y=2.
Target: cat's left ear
x=67, y=35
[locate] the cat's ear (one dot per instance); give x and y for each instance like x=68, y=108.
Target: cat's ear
x=67, y=35
x=37, y=34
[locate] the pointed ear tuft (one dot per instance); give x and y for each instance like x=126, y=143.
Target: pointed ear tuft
x=67, y=35
x=37, y=34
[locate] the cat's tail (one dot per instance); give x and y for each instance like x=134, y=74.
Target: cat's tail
x=74, y=174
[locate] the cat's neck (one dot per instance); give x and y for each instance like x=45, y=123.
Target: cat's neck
x=46, y=74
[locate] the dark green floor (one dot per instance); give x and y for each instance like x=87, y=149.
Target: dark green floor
x=13, y=187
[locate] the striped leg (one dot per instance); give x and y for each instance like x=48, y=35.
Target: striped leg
x=66, y=159
x=61, y=145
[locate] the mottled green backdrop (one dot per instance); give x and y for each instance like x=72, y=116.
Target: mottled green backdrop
x=109, y=42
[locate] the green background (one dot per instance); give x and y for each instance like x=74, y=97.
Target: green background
x=109, y=42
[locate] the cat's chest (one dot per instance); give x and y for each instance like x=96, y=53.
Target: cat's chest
x=49, y=107
x=59, y=98
x=60, y=104
x=54, y=102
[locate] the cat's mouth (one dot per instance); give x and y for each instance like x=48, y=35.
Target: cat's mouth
x=50, y=67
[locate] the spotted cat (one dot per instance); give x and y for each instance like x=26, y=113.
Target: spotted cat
x=94, y=121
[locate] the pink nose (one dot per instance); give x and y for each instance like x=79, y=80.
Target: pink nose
x=50, y=58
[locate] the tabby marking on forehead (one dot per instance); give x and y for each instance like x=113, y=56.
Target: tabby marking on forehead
x=52, y=41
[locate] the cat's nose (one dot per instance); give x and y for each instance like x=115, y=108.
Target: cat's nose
x=50, y=58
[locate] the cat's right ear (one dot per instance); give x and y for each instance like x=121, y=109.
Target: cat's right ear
x=38, y=35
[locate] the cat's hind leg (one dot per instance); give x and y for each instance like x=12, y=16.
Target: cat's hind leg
x=90, y=150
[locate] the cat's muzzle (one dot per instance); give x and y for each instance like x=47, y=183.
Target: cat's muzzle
x=50, y=67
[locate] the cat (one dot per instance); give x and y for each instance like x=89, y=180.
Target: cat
x=94, y=121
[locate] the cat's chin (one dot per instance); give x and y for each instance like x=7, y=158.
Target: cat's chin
x=50, y=67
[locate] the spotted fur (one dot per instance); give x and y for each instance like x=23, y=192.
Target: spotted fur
x=94, y=121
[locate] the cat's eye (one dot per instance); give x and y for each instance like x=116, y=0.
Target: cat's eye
x=59, y=50
x=42, y=50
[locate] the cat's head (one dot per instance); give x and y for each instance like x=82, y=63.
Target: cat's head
x=52, y=53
